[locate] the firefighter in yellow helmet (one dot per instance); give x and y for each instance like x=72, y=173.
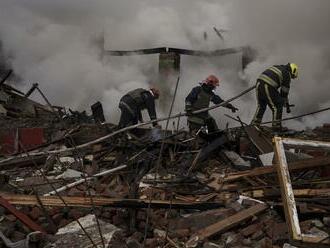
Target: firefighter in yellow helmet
x=272, y=89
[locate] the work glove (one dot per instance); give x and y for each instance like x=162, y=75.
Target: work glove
x=189, y=112
x=233, y=109
x=288, y=107
x=288, y=110
x=158, y=126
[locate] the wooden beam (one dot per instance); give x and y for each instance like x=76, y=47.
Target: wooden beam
x=298, y=165
x=230, y=222
x=313, y=239
x=290, y=209
x=83, y=180
x=263, y=193
x=23, y=162
x=287, y=193
x=6, y=77
x=21, y=216
x=261, y=142
x=306, y=143
x=85, y=202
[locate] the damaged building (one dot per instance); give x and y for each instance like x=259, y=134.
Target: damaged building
x=72, y=177
x=73, y=180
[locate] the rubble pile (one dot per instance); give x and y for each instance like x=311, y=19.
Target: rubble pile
x=63, y=185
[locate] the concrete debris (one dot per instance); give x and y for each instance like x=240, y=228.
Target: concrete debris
x=267, y=159
x=26, y=243
x=69, y=173
x=84, y=183
x=286, y=245
x=237, y=161
x=72, y=235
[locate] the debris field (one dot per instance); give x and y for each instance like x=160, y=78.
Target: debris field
x=73, y=180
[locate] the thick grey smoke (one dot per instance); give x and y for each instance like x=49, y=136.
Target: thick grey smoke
x=295, y=31
x=59, y=44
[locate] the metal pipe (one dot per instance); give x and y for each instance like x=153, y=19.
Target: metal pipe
x=6, y=77
x=30, y=91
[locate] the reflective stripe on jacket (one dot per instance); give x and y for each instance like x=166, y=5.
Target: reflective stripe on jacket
x=272, y=76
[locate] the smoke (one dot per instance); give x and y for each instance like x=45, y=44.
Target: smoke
x=59, y=44
x=289, y=31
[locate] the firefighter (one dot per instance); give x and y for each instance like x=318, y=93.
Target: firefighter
x=134, y=102
x=272, y=89
x=199, y=98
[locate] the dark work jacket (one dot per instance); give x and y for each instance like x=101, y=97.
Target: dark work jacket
x=278, y=76
x=199, y=98
x=137, y=100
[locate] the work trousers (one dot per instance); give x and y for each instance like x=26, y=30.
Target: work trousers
x=128, y=117
x=209, y=122
x=268, y=95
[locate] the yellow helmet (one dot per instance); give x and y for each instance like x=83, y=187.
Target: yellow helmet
x=294, y=70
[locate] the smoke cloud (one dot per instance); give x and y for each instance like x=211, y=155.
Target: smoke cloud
x=59, y=44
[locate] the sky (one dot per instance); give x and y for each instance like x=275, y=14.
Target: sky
x=60, y=45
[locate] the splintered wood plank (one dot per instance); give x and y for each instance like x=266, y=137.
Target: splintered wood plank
x=229, y=222
x=77, y=201
x=298, y=165
x=289, y=204
x=263, y=143
x=313, y=239
x=21, y=216
x=288, y=198
x=262, y=193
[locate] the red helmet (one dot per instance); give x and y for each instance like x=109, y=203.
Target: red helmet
x=212, y=80
x=155, y=92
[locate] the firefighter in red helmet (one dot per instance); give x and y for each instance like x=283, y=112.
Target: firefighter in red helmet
x=200, y=98
x=134, y=102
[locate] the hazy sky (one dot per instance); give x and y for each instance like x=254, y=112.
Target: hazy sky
x=59, y=45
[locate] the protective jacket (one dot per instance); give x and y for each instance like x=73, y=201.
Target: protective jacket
x=199, y=98
x=133, y=103
x=268, y=83
x=278, y=76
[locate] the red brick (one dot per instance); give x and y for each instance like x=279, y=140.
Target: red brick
x=117, y=220
x=64, y=222
x=182, y=233
x=251, y=229
x=11, y=217
x=75, y=192
x=35, y=213
x=17, y=236
x=141, y=215
x=75, y=214
x=151, y=242
x=100, y=187
x=107, y=214
x=57, y=218
x=54, y=210
x=259, y=234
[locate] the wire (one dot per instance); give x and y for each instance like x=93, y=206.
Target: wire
x=135, y=126
x=58, y=195
x=159, y=159
x=285, y=119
